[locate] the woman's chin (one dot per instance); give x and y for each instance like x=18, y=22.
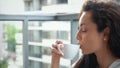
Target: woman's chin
x=85, y=53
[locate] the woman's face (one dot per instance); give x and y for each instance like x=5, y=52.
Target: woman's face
x=89, y=39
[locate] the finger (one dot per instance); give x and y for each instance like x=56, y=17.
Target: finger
x=54, y=46
x=55, y=52
x=61, y=47
x=58, y=42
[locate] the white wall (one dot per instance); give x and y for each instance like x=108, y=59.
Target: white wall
x=75, y=2
x=11, y=6
x=17, y=6
x=73, y=6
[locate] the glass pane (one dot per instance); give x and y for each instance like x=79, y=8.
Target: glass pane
x=35, y=64
x=51, y=2
x=35, y=51
x=41, y=35
x=11, y=55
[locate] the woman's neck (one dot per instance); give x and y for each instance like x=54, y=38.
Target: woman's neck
x=105, y=58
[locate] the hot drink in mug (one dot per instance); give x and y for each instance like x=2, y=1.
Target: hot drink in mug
x=69, y=51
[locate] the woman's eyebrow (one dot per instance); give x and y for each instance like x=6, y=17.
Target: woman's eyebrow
x=82, y=24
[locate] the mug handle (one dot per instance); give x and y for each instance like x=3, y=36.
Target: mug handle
x=58, y=46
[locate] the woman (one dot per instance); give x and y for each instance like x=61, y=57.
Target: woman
x=99, y=36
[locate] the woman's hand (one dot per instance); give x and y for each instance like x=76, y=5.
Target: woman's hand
x=55, y=55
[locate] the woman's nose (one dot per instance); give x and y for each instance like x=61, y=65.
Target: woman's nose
x=78, y=36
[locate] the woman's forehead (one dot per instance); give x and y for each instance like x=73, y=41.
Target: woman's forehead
x=85, y=18
x=81, y=17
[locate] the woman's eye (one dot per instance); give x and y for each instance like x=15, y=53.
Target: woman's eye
x=83, y=30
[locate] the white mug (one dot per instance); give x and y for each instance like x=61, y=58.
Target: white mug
x=69, y=51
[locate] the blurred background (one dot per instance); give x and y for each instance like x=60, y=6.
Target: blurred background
x=29, y=27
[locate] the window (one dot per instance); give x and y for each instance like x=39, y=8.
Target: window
x=28, y=5
x=11, y=52
x=41, y=35
x=51, y=2
x=38, y=32
x=32, y=5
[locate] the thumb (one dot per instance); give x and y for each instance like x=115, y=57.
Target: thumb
x=61, y=46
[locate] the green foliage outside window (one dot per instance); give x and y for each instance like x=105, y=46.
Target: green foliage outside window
x=10, y=32
x=3, y=63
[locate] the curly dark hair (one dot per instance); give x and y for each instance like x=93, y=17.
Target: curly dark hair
x=104, y=14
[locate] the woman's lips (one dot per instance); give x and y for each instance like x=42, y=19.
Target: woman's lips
x=79, y=45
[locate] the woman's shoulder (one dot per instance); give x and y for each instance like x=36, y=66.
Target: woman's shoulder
x=115, y=64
